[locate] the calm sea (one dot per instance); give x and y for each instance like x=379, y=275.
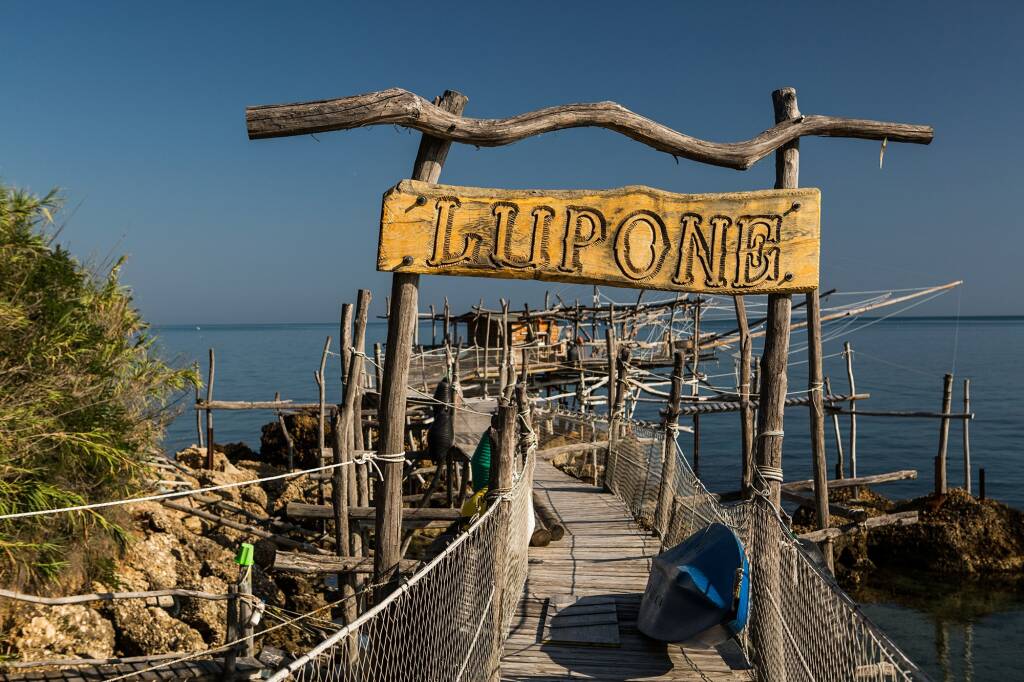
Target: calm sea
x=899, y=361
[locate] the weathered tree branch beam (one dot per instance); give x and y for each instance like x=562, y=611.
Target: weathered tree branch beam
x=410, y=516
x=111, y=596
x=309, y=564
x=874, y=479
x=898, y=519
x=833, y=508
x=396, y=106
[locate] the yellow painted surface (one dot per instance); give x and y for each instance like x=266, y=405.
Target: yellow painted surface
x=737, y=243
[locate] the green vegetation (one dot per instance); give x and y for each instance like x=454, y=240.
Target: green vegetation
x=83, y=399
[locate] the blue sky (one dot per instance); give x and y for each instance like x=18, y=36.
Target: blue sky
x=137, y=111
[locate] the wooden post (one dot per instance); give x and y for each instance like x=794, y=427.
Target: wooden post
x=947, y=402
x=345, y=336
x=746, y=411
x=321, y=434
x=199, y=415
x=487, y=354
x=848, y=354
x=378, y=367
x=815, y=386
x=981, y=484
x=447, y=324
x=840, y=465
x=609, y=462
x=433, y=326
x=209, y=412
x=231, y=634
x=666, y=488
x=766, y=629
x=401, y=318
x=694, y=387
x=500, y=483
x=772, y=396
x=967, y=436
x=289, y=441
x=244, y=626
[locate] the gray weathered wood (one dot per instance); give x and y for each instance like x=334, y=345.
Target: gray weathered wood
x=902, y=475
x=941, y=485
x=816, y=386
x=209, y=413
x=289, y=562
x=899, y=518
x=400, y=107
x=402, y=318
x=746, y=409
x=967, y=437
x=666, y=488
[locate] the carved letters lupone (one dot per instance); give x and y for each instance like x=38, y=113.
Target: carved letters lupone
x=739, y=243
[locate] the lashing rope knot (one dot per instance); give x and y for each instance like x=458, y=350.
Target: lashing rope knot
x=768, y=434
x=770, y=473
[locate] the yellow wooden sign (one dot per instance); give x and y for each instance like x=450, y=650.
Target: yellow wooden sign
x=638, y=237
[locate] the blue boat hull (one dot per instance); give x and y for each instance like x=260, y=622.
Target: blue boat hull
x=698, y=592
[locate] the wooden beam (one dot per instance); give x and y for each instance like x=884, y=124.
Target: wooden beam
x=548, y=453
x=899, y=519
x=816, y=390
x=308, y=564
x=811, y=503
x=396, y=106
x=875, y=479
x=410, y=516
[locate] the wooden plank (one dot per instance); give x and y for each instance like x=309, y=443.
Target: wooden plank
x=417, y=516
x=899, y=519
x=310, y=564
x=737, y=243
x=902, y=475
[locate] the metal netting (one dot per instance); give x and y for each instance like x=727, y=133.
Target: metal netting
x=444, y=622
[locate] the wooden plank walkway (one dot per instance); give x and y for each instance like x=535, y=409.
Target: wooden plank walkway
x=603, y=553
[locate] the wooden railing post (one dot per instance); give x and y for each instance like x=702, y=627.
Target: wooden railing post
x=401, y=320
x=666, y=489
x=502, y=467
x=815, y=386
x=848, y=354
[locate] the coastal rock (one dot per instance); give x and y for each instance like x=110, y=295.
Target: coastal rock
x=207, y=617
x=69, y=631
x=303, y=428
x=143, y=629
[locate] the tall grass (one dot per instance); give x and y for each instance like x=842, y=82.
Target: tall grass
x=82, y=394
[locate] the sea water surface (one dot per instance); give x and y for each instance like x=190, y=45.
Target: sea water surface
x=965, y=633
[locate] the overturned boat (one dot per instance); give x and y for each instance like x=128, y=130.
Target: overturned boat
x=698, y=592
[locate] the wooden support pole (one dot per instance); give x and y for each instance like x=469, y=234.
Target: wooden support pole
x=289, y=441
x=502, y=468
x=848, y=354
x=245, y=610
x=746, y=409
x=694, y=387
x=815, y=387
x=433, y=326
x=941, y=485
x=378, y=366
x=209, y=413
x=448, y=341
x=981, y=484
x=767, y=629
x=840, y=465
x=401, y=319
x=967, y=437
x=199, y=415
x=487, y=354
x=666, y=488
x=345, y=336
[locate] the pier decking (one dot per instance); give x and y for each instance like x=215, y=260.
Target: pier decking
x=605, y=558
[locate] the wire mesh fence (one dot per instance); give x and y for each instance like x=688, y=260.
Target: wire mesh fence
x=802, y=625
x=446, y=622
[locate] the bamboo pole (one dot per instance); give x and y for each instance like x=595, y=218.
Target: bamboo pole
x=209, y=413
x=967, y=437
x=815, y=386
x=401, y=318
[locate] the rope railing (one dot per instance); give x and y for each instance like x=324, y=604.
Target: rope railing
x=802, y=625
x=444, y=621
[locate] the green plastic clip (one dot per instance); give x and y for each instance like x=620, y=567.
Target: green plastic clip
x=244, y=556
